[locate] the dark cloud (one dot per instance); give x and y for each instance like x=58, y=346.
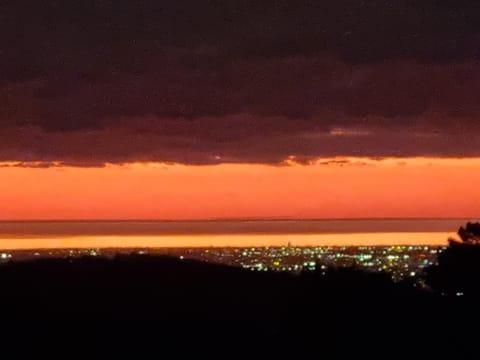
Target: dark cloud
x=90, y=82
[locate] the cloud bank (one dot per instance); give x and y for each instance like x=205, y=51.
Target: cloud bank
x=203, y=82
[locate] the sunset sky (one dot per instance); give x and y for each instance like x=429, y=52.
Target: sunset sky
x=358, y=188
x=226, y=109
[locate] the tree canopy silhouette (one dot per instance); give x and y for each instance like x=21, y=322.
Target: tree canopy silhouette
x=458, y=270
x=470, y=234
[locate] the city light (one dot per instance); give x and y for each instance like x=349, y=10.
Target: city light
x=398, y=261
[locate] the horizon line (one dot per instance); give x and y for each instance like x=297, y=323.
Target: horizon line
x=219, y=219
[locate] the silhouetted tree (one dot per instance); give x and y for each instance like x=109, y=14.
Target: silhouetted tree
x=458, y=269
x=471, y=233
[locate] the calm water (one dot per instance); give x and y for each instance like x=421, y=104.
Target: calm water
x=28, y=235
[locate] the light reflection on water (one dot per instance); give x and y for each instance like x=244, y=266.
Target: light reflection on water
x=226, y=240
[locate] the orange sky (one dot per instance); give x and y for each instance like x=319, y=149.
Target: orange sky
x=414, y=187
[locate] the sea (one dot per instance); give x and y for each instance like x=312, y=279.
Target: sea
x=22, y=235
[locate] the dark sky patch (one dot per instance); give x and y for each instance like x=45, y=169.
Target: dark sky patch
x=201, y=82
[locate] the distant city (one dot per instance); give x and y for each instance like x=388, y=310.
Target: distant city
x=400, y=262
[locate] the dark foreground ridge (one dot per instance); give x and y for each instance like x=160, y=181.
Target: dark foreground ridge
x=160, y=307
